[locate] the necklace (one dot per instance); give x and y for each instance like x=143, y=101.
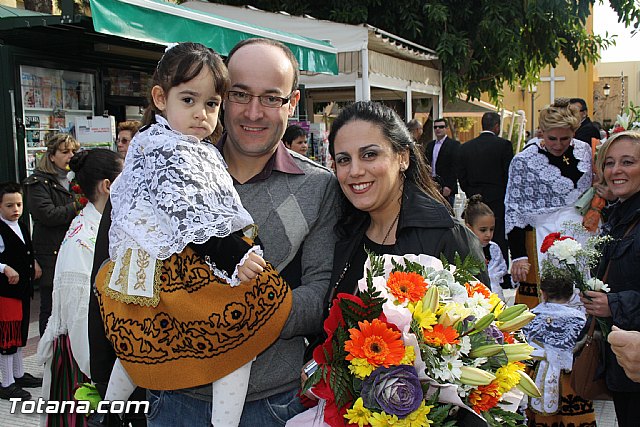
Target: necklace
x=565, y=159
x=386, y=236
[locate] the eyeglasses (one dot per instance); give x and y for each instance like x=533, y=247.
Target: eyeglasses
x=439, y=126
x=270, y=101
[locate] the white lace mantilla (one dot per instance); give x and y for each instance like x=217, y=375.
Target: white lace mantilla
x=536, y=187
x=174, y=190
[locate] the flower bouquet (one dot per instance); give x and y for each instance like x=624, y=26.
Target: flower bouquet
x=421, y=340
x=566, y=255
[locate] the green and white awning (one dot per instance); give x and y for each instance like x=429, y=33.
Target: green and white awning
x=160, y=22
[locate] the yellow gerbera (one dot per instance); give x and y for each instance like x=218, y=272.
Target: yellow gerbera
x=424, y=317
x=358, y=414
x=417, y=418
x=508, y=376
x=361, y=368
x=382, y=419
x=409, y=356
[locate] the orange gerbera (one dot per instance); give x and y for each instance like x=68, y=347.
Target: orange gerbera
x=375, y=342
x=508, y=338
x=407, y=286
x=485, y=397
x=477, y=288
x=441, y=335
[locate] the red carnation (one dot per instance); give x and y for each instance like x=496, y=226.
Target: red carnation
x=549, y=241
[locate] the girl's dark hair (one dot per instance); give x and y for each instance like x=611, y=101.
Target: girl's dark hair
x=396, y=132
x=92, y=166
x=293, y=132
x=558, y=287
x=182, y=63
x=475, y=209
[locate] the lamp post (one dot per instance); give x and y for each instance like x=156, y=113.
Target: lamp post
x=533, y=89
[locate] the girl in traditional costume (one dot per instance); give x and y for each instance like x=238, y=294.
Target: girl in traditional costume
x=553, y=334
x=545, y=180
x=169, y=297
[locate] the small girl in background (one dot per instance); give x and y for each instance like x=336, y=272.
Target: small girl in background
x=480, y=219
x=553, y=334
x=175, y=193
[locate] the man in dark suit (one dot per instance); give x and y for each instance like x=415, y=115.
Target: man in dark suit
x=587, y=129
x=442, y=154
x=483, y=168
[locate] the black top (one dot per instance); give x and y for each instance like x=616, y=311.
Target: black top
x=353, y=275
x=19, y=256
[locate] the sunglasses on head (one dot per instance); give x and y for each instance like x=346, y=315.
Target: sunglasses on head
x=439, y=126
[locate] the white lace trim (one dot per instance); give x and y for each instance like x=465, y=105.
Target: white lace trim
x=174, y=190
x=536, y=187
x=233, y=280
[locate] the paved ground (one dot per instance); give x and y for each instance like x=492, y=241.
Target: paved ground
x=606, y=416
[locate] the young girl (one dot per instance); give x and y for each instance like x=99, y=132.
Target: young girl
x=172, y=323
x=553, y=334
x=480, y=219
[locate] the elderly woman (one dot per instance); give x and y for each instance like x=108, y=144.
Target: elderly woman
x=545, y=180
x=619, y=161
x=52, y=206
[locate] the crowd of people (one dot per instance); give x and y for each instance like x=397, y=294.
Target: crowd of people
x=155, y=245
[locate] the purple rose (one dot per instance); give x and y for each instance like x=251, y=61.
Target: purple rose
x=395, y=390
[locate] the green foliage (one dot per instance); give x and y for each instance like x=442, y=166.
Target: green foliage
x=497, y=417
x=482, y=44
x=465, y=270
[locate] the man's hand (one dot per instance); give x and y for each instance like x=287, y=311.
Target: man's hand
x=446, y=191
x=12, y=275
x=37, y=271
x=626, y=346
x=251, y=267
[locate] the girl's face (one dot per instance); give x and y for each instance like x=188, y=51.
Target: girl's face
x=191, y=108
x=62, y=156
x=368, y=170
x=483, y=228
x=557, y=140
x=299, y=145
x=622, y=168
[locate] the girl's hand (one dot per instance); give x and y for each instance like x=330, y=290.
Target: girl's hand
x=251, y=267
x=519, y=270
x=12, y=275
x=597, y=303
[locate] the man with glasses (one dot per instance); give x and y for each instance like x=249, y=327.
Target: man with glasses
x=587, y=129
x=442, y=154
x=293, y=202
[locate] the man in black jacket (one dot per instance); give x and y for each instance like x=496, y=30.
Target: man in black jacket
x=483, y=168
x=442, y=154
x=587, y=129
